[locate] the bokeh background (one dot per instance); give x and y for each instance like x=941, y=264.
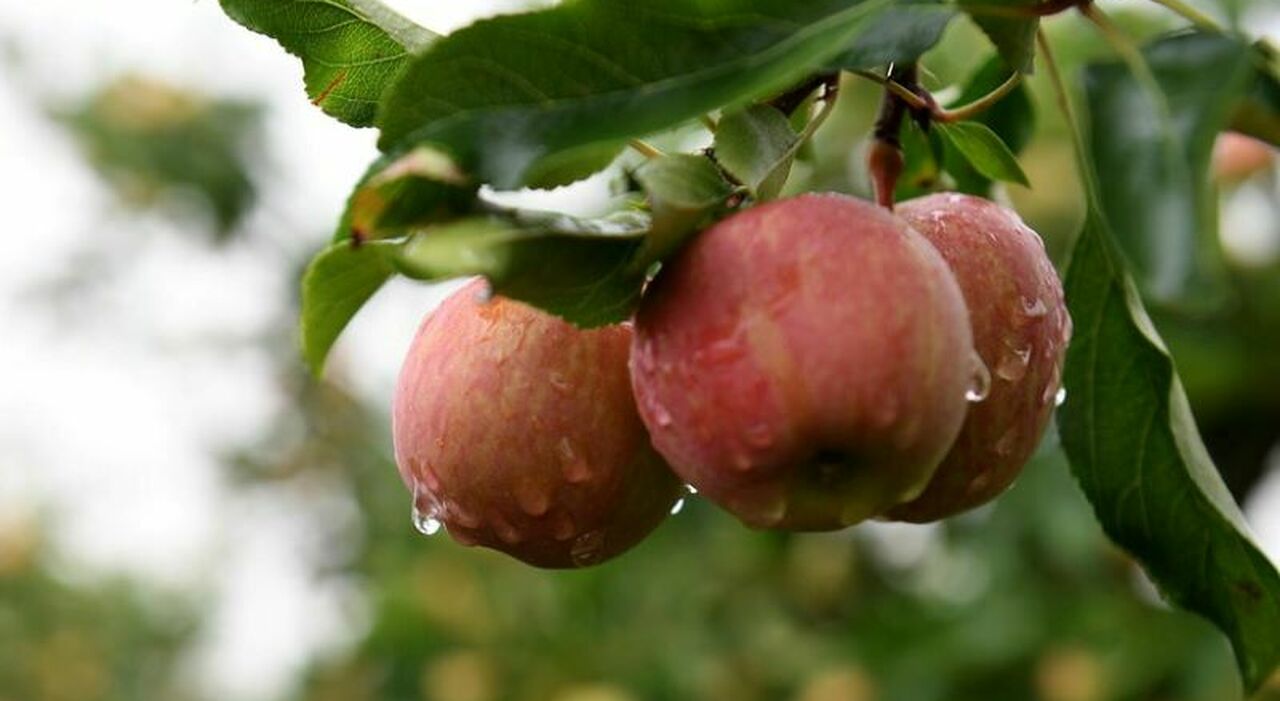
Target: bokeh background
x=185, y=515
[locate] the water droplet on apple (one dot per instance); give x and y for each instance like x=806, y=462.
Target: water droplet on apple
x=574, y=467
x=586, y=548
x=505, y=530
x=1005, y=445
x=677, y=507
x=461, y=516
x=533, y=499
x=723, y=351
x=885, y=412
x=980, y=382
x=426, y=510
x=563, y=528
x=691, y=489
x=1013, y=364
x=759, y=436
x=424, y=518
x=661, y=416
x=1060, y=397
x=560, y=383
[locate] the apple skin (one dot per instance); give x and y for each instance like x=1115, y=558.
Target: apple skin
x=1021, y=329
x=518, y=432
x=804, y=363
x=1237, y=157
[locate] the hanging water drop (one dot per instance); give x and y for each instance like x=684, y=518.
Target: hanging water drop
x=1060, y=397
x=426, y=511
x=677, y=507
x=425, y=521
x=980, y=383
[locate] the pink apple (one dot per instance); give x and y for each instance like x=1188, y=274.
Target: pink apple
x=518, y=431
x=804, y=363
x=1020, y=329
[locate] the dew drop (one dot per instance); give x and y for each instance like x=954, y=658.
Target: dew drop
x=759, y=436
x=505, y=530
x=1034, y=307
x=426, y=511
x=1005, y=445
x=562, y=527
x=885, y=412
x=425, y=521
x=691, y=489
x=660, y=415
x=432, y=480
x=586, y=548
x=1060, y=397
x=462, y=516
x=560, y=383
x=677, y=507
x=724, y=351
x=574, y=467
x=1013, y=364
x=980, y=382
x=533, y=500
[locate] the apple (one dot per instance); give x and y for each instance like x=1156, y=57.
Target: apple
x=517, y=431
x=1020, y=329
x=1237, y=157
x=804, y=363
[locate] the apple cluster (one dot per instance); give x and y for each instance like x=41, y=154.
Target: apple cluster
x=805, y=364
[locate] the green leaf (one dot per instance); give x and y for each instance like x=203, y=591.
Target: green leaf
x=1013, y=37
x=922, y=161
x=757, y=147
x=506, y=94
x=984, y=150
x=397, y=194
x=1012, y=119
x=350, y=49
x=339, y=281
x=685, y=192
x=1152, y=153
x=900, y=34
x=582, y=271
x=1128, y=431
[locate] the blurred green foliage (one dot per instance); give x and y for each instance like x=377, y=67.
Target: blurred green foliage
x=88, y=640
x=151, y=141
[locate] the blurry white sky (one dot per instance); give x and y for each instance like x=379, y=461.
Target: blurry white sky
x=110, y=414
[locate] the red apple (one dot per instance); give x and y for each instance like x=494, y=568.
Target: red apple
x=518, y=431
x=804, y=363
x=1020, y=329
x=1237, y=157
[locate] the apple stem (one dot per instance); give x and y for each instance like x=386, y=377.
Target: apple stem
x=885, y=162
x=981, y=104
